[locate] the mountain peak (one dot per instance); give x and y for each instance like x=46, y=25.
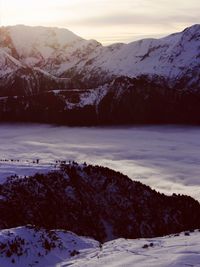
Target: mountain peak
x=40, y=29
x=194, y=27
x=29, y=41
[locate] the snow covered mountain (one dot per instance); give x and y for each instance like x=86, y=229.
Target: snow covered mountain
x=171, y=57
x=79, y=75
x=38, y=49
x=49, y=49
x=60, y=52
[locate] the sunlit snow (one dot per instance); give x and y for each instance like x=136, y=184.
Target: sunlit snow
x=172, y=251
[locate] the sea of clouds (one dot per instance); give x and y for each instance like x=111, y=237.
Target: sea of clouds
x=165, y=157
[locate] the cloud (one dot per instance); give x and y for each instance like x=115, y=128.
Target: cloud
x=134, y=19
x=101, y=19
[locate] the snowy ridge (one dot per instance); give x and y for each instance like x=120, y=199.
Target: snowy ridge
x=169, y=56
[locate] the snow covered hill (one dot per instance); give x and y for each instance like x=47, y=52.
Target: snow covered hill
x=36, y=247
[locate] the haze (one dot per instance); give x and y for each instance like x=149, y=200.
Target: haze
x=106, y=21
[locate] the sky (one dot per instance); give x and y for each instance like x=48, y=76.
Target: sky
x=107, y=21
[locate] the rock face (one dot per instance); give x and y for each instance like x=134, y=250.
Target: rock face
x=80, y=82
x=94, y=201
